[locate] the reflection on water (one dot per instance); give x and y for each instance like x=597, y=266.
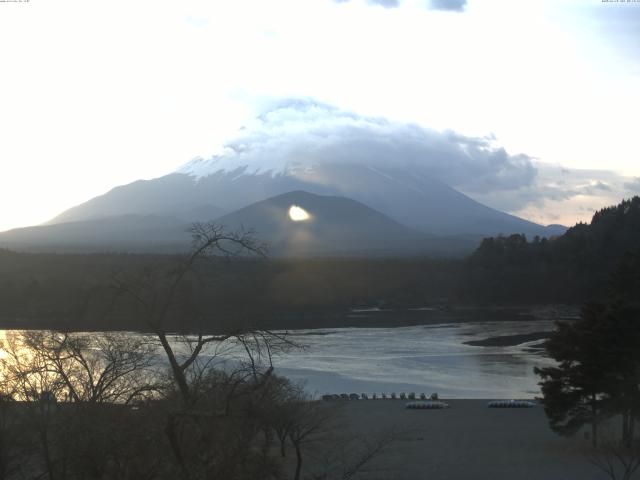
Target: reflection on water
x=419, y=359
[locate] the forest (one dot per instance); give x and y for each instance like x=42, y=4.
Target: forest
x=79, y=292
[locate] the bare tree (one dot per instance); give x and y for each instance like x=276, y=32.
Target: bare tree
x=30, y=379
x=219, y=378
x=94, y=368
x=97, y=368
x=617, y=460
x=59, y=377
x=26, y=374
x=158, y=292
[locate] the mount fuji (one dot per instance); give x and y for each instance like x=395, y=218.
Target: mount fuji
x=400, y=174
x=407, y=204
x=410, y=197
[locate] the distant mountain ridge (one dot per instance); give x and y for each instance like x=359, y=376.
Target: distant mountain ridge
x=121, y=233
x=398, y=210
x=410, y=197
x=170, y=195
x=336, y=225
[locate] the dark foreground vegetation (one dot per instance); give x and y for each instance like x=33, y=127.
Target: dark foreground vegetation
x=596, y=381
x=77, y=292
x=598, y=371
x=118, y=406
x=572, y=268
x=80, y=292
x=102, y=406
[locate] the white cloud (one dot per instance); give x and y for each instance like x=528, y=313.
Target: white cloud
x=452, y=5
x=385, y=3
x=298, y=133
x=96, y=94
x=562, y=195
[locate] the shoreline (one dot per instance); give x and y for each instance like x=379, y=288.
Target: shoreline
x=509, y=340
x=352, y=318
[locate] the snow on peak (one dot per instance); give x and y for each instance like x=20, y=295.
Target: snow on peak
x=297, y=135
x=226, y=163
x=285, y=137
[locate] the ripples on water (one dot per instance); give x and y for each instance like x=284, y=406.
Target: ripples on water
x=417, y=359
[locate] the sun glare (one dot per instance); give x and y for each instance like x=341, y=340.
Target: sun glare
x=298, y=214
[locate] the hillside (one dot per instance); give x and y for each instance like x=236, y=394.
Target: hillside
x=122, y=233
x=409, y=196
x=335, y=225
x=574, y=266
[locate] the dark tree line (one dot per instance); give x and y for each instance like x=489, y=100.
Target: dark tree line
x=571, y=268
x=598, y=372
x=48, y=290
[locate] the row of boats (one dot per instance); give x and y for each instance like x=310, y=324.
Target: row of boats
x=420, y=405
x=382, y=396
x=422, y=402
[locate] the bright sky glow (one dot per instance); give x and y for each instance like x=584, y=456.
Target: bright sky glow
x=98, y=94
x=298, y=214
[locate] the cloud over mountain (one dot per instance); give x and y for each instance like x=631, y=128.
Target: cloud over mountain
x=559, y=194
x=450, y=5
x=453, y=5
x=382, y=3
x=296, y=133
x=633, y=185
x=385, y=3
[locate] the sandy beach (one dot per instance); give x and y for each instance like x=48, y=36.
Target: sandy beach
x=468, y=441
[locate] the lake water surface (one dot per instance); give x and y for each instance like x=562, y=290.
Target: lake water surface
x=426, y=358
x=417, y=359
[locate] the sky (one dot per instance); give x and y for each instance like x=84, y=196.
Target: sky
x=541, y=96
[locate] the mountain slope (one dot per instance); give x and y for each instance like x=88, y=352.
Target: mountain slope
x=409, y=196
x=123, y=233
x=170, y=195
x=335, y=225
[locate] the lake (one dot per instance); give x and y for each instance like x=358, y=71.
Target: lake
x=418, y=359
x=425, y=358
